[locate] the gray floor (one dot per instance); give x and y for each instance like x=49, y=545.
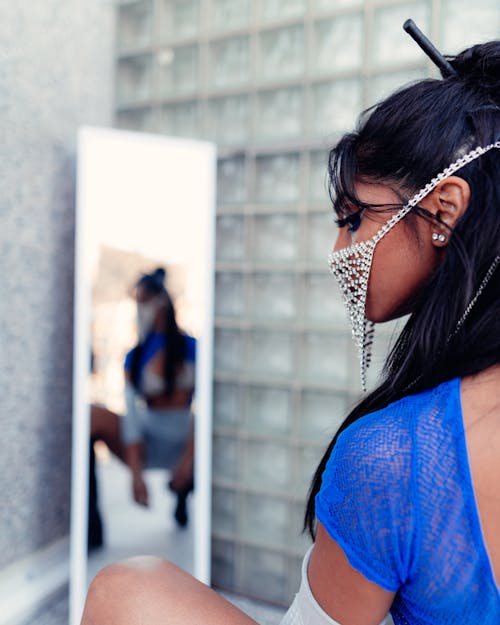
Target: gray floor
x=131, y=530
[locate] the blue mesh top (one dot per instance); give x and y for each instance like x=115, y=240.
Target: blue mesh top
x=397, y=496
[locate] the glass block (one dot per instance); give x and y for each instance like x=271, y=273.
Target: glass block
x=270, y=10
x=232, y=180
x=227, y=404
x=295, y=571
x=282, y=53
x=339, y=43
x=321, y=235
x=318, y=176
x=323, y=302
x=137, y=119
x=230, y=237
x=267, y=465
x=228, y=14
x=336, y=106
x=390, y=43
x=264, y=574
x=466, y=23
x=275, y=238
x=228, y=350
x=229, y=294
x=265, y=520
x=230, y=62
x=271, y=353
x=224, y=557
x=181, y=18
x=268, y=410
x=224, y=510
x=328, y=5
x=321, y=414
x=303, y=542
x=226, y=454
x=229, y=119
x=182, y=119
x=307, y=460
x=274, y=296
x=324, y=358
x=178, y=72
x=135, y=22
x=278, y=178
x=280, y=113
x=134, y=79
x=381, y=86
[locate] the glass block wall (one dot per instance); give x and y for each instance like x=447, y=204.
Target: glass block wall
x=274, y=83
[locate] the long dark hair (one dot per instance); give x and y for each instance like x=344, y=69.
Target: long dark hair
x=404, y=142
x=175, y=345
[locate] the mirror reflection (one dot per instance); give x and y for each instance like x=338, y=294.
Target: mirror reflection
x=145, y=242
x=141, y=411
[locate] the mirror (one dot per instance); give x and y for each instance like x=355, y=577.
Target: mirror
x=143, y=202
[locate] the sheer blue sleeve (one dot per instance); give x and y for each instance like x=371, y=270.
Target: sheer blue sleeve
x=365, y=502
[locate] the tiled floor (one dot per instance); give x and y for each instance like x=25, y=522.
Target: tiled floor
x=131, y=530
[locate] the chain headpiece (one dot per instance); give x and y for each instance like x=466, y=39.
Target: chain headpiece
x=351, y=265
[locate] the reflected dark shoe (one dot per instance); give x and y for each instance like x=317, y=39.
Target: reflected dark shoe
x=180, y=514
x=95, y=535
x=94, y=527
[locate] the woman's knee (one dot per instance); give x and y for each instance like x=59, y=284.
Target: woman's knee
x=153, y=591
x=131, y=591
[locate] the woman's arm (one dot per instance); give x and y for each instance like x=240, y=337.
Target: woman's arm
x=133, y=457
x=344, y=593
x=134, y=447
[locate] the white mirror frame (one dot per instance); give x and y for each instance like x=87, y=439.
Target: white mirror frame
x=81, y=369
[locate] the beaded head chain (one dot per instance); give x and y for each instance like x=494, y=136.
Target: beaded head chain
x=351, y=265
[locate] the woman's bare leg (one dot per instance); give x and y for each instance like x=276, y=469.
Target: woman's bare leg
x=105, y=426
x=147, y=590
x=183, y=471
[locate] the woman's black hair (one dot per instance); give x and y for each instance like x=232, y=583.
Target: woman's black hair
x=404, y=142
x=175, y=351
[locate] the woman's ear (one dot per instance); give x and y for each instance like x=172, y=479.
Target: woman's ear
x=448, y=202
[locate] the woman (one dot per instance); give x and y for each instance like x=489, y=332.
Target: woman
x=156, y=430
x=404, y=506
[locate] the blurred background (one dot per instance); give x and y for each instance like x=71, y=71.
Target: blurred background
x=274, y=83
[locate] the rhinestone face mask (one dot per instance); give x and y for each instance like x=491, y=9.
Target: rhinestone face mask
x=351, y=265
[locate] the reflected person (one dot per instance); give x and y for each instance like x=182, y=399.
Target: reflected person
x=157, y=429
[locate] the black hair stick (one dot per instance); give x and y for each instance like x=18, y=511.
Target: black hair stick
x=428, y=47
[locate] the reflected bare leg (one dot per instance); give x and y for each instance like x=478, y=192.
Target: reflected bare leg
x=149, y=590
x=182, y=481
x=105, y=426
x=183, y=471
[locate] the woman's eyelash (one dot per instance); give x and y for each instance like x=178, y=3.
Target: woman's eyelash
x=353, y=221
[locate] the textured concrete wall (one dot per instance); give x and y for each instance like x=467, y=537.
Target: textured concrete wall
x=55, y=74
